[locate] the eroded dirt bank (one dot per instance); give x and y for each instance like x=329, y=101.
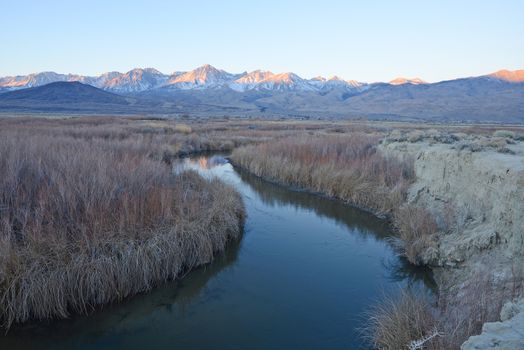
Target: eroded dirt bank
x=477, y=198
x=456, y=200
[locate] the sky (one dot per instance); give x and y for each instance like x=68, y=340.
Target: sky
x=363, y=40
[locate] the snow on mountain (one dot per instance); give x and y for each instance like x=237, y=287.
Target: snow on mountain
x=318, y=82
x=402, y=81
x=205, y=76
x=133, y=81
x=38, y=79
x=264, y=80
x=336, y=83
x=516, y=76
x=136, y=80
x=285, y=82
x=249, y=81
x=102, y=79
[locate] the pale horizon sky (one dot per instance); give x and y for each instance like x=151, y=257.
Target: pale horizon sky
x=362, y=40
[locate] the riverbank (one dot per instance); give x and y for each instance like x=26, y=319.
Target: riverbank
x=435, y=225
x=88, y=219
x=341, y=167
x=301, y=277
x=474, y=188
x=457, y=226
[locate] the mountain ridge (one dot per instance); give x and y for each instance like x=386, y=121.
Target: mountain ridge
x=496, y=97
x=206, y=76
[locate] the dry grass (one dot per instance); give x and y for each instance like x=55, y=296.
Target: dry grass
x=159, y=139
x=417, y=228
x=88, y=217
x=347, y=167
x=394, y=322
x=183, y=128
x=350, y=168
x=397, y=320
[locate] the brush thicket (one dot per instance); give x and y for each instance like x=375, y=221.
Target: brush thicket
x=347, y=167
x=86, y=221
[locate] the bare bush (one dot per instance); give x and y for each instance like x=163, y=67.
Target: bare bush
x=183, y=128
x=504, y=134
x=396, y=321
x=417, y=228
x=482, y=143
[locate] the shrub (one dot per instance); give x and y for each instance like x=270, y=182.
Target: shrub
x=415, y=136
x=504, y=133
x=396, y=321
x=395, y=136
x=417, y=228
x=183, y=129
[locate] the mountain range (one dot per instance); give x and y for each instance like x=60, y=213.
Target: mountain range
x=206, y=90
x=204, y=77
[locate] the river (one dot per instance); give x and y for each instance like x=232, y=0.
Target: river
x=302, y=277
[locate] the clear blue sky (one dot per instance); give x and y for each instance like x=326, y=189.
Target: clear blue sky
x=365, y=40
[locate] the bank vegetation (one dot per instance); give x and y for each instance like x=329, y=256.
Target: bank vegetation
x=351, y=166
x=89, y=216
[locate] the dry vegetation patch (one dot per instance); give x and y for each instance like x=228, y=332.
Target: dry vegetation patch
x=408, y=318
x=351, y=168
x=347, y=167
x=396, y=321
x=417, y=228
x=88, y=217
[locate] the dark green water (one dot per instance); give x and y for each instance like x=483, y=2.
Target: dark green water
x=301, y=277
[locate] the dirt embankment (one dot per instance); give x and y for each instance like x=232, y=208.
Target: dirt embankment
x=508, y=334
x=477, y=199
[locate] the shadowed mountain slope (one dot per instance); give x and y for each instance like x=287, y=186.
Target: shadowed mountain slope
x=63, y=92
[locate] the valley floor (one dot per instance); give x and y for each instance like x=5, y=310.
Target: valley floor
x=454, y=193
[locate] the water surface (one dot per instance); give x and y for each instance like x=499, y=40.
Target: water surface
x=302, y=276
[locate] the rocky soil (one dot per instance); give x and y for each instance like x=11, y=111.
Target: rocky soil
x=505, y=335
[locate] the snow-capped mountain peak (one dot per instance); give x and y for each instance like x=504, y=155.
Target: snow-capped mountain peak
x=254, y=77
x=249, y=81
x=136, y=80
x=207, y=76
x=201, y=77
x=402, y=81
x=516, y=76
x=36, y=79
x=284, y=82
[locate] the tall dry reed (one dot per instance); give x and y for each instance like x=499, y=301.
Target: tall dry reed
x=87, y=220
x=347, y=167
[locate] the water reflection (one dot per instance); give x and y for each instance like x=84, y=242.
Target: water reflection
x=205, y=162
x=358, y=222
x=116, y=319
